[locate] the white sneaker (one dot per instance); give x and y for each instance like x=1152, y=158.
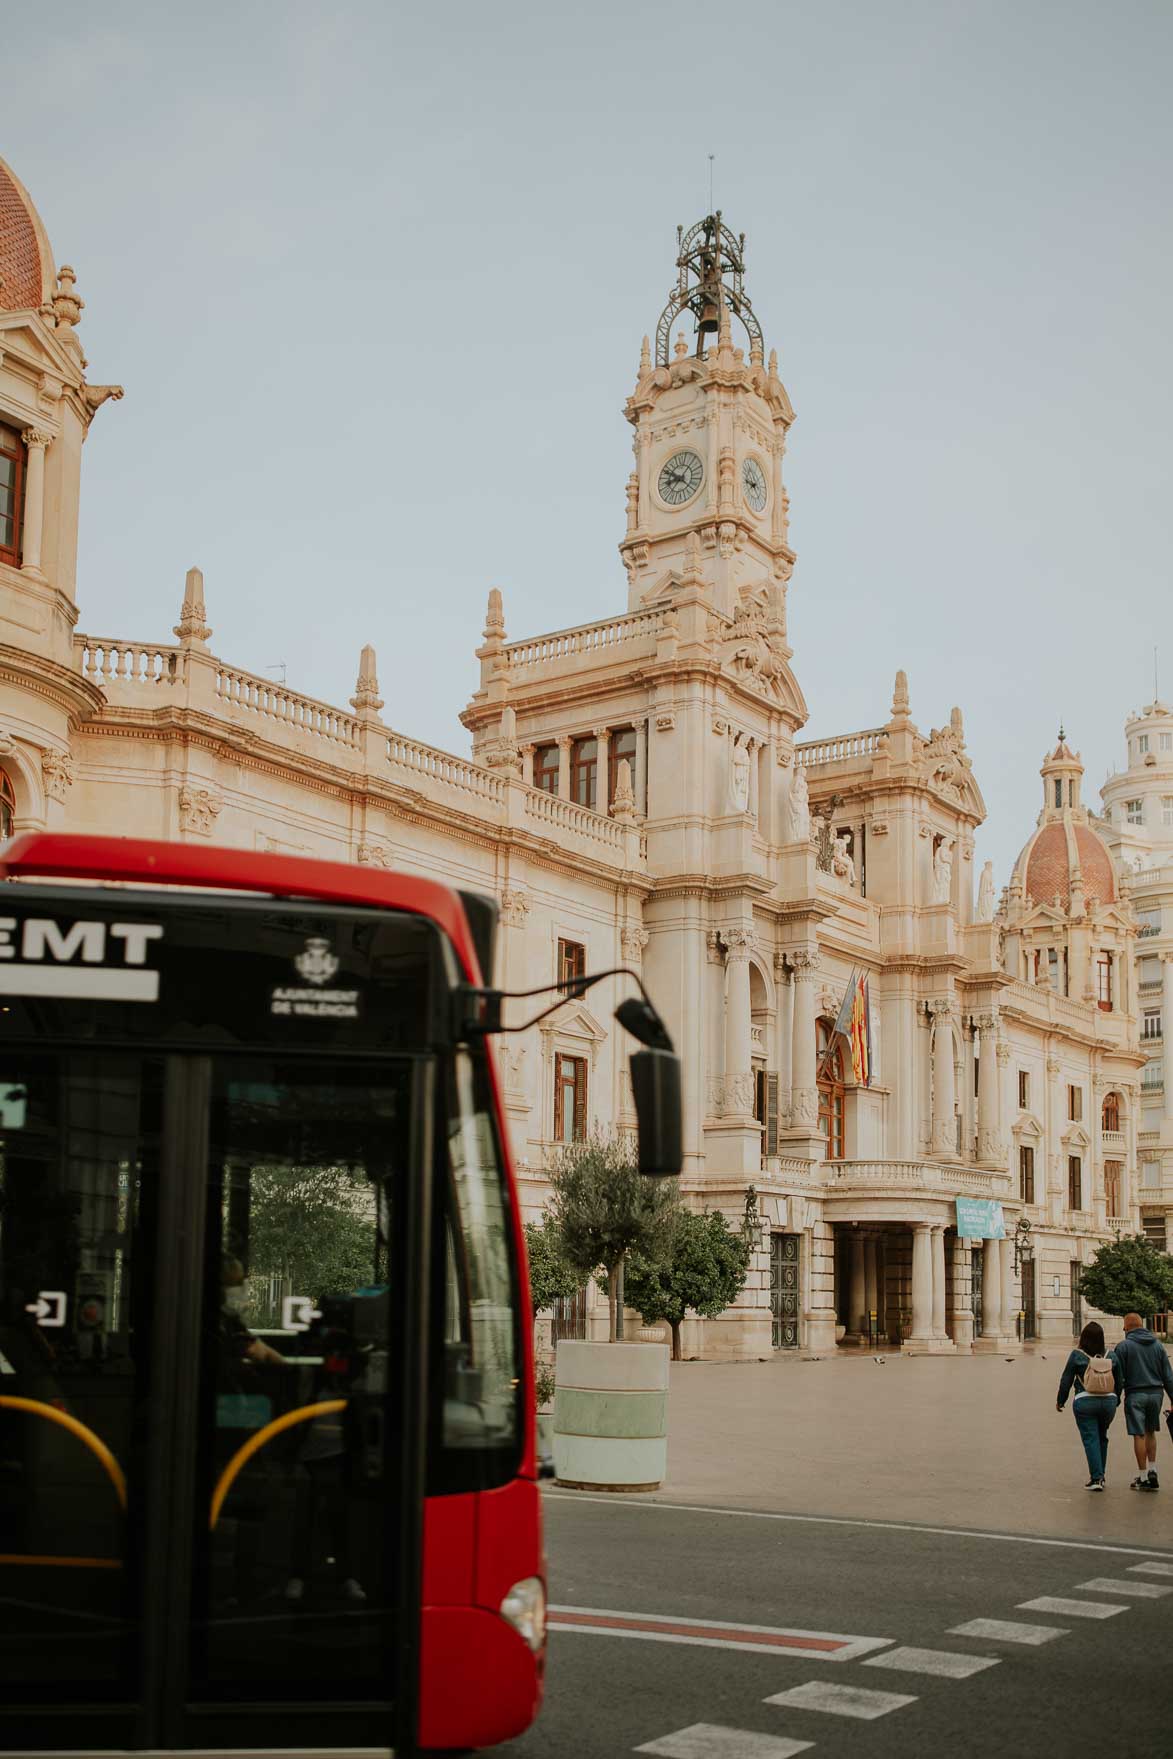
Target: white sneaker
x=294, y=1590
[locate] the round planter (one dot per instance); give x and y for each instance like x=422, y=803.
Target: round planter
x=611, y=1416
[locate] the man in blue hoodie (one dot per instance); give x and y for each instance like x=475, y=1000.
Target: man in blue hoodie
x=1147, y=1373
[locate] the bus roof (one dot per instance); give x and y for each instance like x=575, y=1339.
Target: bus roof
x=49, y=854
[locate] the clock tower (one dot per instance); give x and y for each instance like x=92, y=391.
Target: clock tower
x=706, y=499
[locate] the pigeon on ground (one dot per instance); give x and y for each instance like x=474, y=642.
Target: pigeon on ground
x=879, y=1359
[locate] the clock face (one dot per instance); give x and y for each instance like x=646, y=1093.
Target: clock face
x=753, y=483
x=680, y=478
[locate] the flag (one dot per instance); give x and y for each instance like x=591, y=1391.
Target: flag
x=861, y=1033
x=842, y=1026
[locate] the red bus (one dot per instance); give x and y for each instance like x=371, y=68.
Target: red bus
x=267, y=1451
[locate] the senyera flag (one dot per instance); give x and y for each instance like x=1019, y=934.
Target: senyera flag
x=855, y=1023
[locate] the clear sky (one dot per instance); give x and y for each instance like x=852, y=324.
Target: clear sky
x=375, y=276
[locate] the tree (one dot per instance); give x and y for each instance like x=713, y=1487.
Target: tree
x=313, y=1227
x=705, y=1272
x=1129, y=1275
x=551, y=1277
x=603, y=1208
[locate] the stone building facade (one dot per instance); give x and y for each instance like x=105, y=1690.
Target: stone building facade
x=638, y=793
x=1138, y=826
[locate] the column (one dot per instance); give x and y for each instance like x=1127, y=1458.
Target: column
x=564, y=766
x=962, y=1295
x=938, y=1251
x=527, y=764
x=804, y=1093
x=871, y=1281
x=1167, y=1031
x=1055, y=1172
x=640, y=782
x=1006, y=1276
x=602, y=783
x=922, y=1283
x=754, y=750
x=989, y=1146
x=1005, y=1109
x=991, y=1289
x=944, y=1137
x=738, y=1041
x=34, y=501
x=857, y=1288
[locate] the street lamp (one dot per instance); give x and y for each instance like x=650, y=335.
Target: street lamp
x=1024, y=1246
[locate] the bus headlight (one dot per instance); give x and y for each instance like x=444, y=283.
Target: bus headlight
x=524, y=1607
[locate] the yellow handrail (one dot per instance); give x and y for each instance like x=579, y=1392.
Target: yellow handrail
x=245, y=1452
x=96, y=1445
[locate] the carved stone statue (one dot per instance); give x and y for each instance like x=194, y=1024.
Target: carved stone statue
x=943, y=871
x=739, y=776
x=800, y=811
x=842, y=864
x=985, y=898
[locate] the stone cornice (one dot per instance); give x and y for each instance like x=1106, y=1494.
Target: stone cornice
x=58, y=684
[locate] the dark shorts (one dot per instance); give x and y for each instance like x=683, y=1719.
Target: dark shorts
x=1142, y=1411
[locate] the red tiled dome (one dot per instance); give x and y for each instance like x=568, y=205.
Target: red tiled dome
x=1048, y=866
x=26, y=268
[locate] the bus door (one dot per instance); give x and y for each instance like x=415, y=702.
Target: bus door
x=205, y=1291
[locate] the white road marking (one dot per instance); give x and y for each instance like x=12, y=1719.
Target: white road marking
x=688, y=1508
x=1071, y=1609
x=1153, y=1569
x=709, y=1740
x=948, y=1665
x=1117, y=1585
x=1008, y=1631
x=855, y=1701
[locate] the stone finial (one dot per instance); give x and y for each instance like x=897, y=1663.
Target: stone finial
x=692, y=556
x=495, y=616
x=623, y=802
x=756, y=356
x=957, y=725
x=192, y=628
x=366, y=698
x=681, y=348
x=725, y=332
x=68, y=305
x=773, y=363
x=900, y=700
x=645, y=358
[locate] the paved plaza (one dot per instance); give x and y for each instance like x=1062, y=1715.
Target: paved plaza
x=971, y=1441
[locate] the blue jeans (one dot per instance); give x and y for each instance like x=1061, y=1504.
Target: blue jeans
x=1093, y=1417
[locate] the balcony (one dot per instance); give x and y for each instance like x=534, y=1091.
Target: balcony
x=881, y=1178
x=1114, y=1141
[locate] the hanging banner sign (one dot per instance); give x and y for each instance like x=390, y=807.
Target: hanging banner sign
x=980, y=1218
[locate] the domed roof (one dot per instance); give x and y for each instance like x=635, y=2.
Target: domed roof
x=26, y=260
x=1055, y=850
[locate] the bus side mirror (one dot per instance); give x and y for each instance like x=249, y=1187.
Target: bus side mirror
x=655, y=1084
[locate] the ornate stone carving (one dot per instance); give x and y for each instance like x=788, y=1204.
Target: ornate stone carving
x=366, y=698
x=800, y=812
x=943, y=871
x=68, y=304
x=373, y=855
x=804, y=962
x=986, y=1023
x=199, y=808
x=37, y=437
x=1003, y=1051
x=95, y=395
x=879, y=827
x=804, y=1108
x=941, y=1007
x=1053, y=1067
x=514, y=907
x=193, y=618
x=714, y=951
x=512, y=1062
x=739, y=1095
x=842, y=863
x=739, y=775
x=57, y=770
x=738, y=942
x=985, y=898
x=749, y=646
x=665, y=721
x=623, y=805
x=633, y=939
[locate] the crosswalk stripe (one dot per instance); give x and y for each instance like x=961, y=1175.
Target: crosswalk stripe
x=709, y=1740
x=945, y=1663
x=835, y=1700
x=1152, y=1569
x=1071, y=1609
x=1008, y=1631
x=1114, y=1585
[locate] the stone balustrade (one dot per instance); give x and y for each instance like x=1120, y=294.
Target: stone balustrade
x=273, y=702
x=549, y=812
x=1114, y=1141
x=1043, y=1004
x=841, y=749
x=106, y=660
x=873, y=1176
x=586, y=640
x=427, y=763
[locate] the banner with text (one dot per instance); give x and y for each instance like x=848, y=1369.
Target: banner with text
x=980, y=1218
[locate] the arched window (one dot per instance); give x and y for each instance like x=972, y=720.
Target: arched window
x=1111, y=1115
x=830, y=1081
x=7, y=807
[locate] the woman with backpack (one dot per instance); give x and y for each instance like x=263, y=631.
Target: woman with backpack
x=1098, y=1385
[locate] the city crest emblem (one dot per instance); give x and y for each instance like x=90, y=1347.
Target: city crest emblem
x=317, y=964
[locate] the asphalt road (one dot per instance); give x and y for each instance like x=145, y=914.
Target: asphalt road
x=613, y=1690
